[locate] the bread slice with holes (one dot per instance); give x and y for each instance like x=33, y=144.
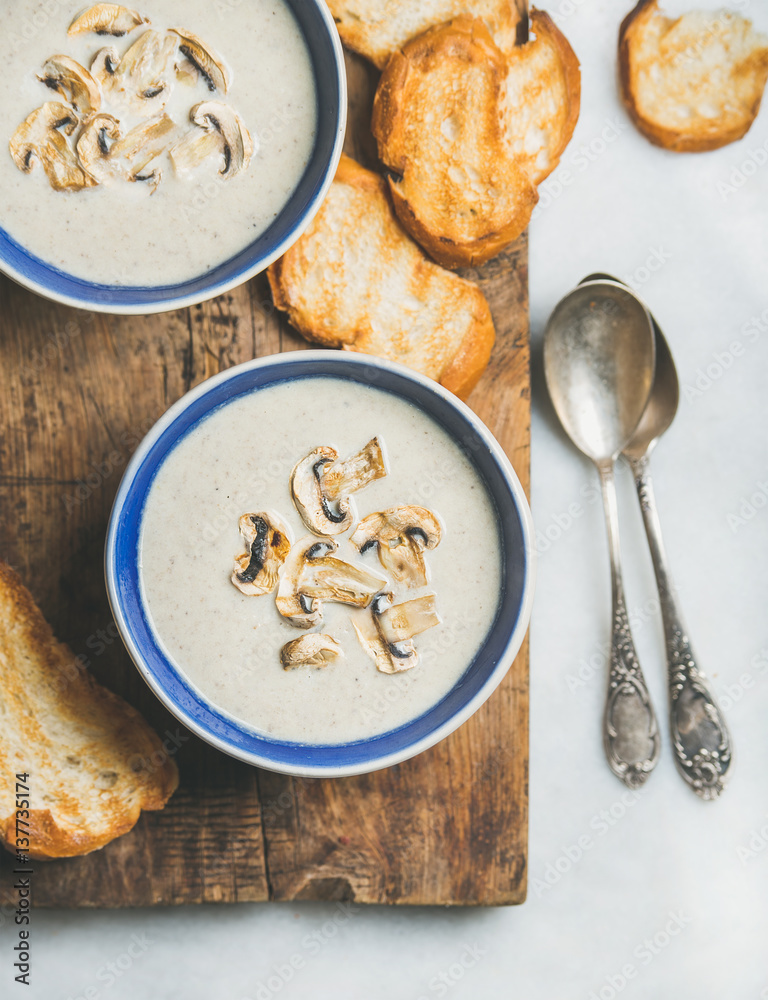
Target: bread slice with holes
x=356, y=280
x=467, y=133
x=691, y=83
x=377, y=28
x=92, y=761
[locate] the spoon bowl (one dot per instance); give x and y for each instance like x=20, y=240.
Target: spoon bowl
x=599, y=357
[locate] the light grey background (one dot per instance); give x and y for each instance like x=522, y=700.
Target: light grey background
x=650, y=896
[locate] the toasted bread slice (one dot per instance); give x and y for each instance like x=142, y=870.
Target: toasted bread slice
x=92, y=760
x=377, y=28
x=541, y=97
x=459, y=189
x=691, y=83
x=356, y=280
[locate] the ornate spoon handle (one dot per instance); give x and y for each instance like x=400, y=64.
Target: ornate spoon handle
x=700, y=736
x=630, y=731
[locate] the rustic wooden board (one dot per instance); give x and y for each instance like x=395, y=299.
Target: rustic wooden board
x=77, y=392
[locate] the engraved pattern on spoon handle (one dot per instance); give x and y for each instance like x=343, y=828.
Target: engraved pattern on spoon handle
x=700, y=736
x=630, y=730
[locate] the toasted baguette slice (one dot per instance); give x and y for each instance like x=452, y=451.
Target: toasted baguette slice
x=459, y=189
x=355, y=280
x=377, y=28
x=92, y=760
x=693, y=83
x=541, y=97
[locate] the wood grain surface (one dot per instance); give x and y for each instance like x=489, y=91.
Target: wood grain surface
x=77, y=392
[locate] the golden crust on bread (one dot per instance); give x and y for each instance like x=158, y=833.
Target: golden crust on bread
x=459, y=190
x=542, y=97
x=356, y=280
x=376, y=29
x=468, y=131
x=692, y=83
x=93, y=762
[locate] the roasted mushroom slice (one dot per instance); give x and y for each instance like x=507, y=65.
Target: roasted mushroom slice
x=95, y=145
x=321, y=479
x=73, y=81
x=398, y=624
x=43, y=135
x=339, y=479
x=311, y=575
x=143, y=79
x=147, y=69
x=206, y=62
x=104, y=67
x=194, y=148
x=401, y=534
x=135, y=152
x=315, y=650
x=391, y=645
x=314, y=507
x=107, y=19
x=236, y=144
x=267, y=544
x=375, y=647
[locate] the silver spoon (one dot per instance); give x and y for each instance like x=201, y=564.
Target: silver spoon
x=700, y=737
x=599, y=358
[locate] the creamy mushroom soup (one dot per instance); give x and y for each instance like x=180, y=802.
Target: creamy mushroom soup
x=146, y=146
x=320, y=560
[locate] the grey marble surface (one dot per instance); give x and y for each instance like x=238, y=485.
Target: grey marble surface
x=648, y=895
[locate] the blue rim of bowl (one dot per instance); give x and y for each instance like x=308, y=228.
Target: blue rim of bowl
x=53, y=283
x=215, y=727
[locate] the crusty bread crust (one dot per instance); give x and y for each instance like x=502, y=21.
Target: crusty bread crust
x=699, y=134
x=455, y=253
x=562, y=84
x=376, y=29
x=463, y=197
x=91, y=757
x=356, y=280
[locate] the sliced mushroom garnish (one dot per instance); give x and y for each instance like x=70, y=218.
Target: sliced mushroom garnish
x=206, y=62
x=106, y=154
x=107, y=19
x=375, y=647
x=95, y=145
x=399, y=623
x=143, y=144
x=339, y=479
x=389, y=642
x=43, y=136
x=220, y=132
x=315, y=650
x=311, y=575
x=267, y=544
x=223, y=121
x=315, y=500
x=194, y=149
x=401, y=535
x=73, y=81
x=104, y=68
x=314, y=507
x=147, y=69
x=143, y=79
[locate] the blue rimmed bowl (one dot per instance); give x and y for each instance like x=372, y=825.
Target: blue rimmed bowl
x=481, y=677
x=322, y=40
